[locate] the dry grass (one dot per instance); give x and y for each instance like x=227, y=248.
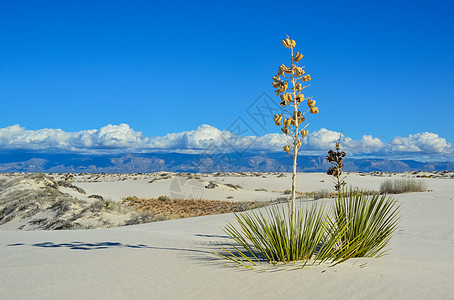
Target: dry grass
x=184, y=208
x=404, y=185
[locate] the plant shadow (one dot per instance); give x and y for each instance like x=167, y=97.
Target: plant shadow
x=105, y=245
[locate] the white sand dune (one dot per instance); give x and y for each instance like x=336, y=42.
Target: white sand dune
x=172, y=259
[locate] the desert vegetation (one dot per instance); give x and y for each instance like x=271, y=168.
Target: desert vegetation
x=289, y=84
x=358, y=225
x=166, y=208
x=404, y=185
x=336, y=158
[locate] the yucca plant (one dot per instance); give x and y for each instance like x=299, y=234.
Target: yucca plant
x=273, y=237
x=368, y=221
x=289, y=84
x=357, y=226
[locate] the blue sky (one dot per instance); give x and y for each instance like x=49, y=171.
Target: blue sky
x=379, y=68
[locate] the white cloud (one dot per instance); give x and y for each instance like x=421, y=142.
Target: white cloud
x=425, y=142
x=122, y=138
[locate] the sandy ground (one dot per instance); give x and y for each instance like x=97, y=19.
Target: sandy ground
x=172, y=259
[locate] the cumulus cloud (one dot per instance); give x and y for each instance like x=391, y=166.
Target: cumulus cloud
x=122, y=138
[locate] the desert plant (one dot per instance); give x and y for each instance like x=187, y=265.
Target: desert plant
x=273, y=237
x=164, y=198
x=404, y=185
x=320, y=194
x=358, y=226
x=337, y=158
x=370, y=222
x=289, y=83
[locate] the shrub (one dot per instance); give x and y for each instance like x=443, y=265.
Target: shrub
x=320, y=194
x=164, y=198
x=404, y=185
x=234, y=186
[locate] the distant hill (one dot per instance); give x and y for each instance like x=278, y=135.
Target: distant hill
x=17, y=161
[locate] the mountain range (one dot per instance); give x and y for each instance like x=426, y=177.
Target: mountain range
x=22, y=161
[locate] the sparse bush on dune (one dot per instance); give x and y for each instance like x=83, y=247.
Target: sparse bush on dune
x=404, y=185
x=234, y=186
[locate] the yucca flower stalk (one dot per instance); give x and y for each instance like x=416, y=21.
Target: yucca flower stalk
x=337, y=158
x=289, y=84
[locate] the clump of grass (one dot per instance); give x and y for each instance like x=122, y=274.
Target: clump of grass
x=404, y=185
x=261, y=190
x=320, y=194
x=287, y=192
x=164, y=198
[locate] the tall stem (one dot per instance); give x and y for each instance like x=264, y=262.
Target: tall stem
x=295, y=141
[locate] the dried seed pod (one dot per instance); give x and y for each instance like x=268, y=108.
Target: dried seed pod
x=299, y=71
x=287, y=148
x=289, y=98
x=298, y=86
x=285, y=130
x=281, y=71
x=288, y=70
x=276, y=84
x=301, y=120
x=292, y=43
x=276, y=78
x=277, y=117
x=314, y=110
x=307, y=78
x=287, y=122
x=311, y=103
x=298, y=56
x=283, y=103
x=304, y=133
x=299, y=98
x=286, y=43
x=298, y=144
